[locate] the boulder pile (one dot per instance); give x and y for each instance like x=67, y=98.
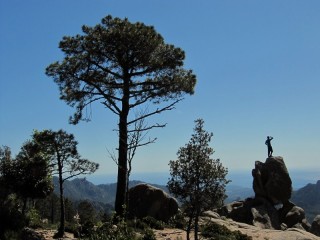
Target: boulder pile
x=271, y=207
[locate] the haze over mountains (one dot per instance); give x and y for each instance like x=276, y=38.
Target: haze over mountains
x=300, y=178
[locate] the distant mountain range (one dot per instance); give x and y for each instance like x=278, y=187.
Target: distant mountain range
x=81, y=189
x=103, y=195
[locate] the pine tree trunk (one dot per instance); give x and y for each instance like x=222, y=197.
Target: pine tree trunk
x=189, y=227
x=196, y=227
x=122, y=170
x=62, y=207
x=123, y=152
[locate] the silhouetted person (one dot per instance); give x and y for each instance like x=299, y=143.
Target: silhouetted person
x=268, y=143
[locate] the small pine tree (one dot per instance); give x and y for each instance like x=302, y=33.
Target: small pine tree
x=197, y=180
x=65, y=161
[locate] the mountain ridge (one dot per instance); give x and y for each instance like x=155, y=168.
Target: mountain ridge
x=307, y=197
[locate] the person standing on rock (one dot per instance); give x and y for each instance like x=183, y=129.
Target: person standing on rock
x=268, y=143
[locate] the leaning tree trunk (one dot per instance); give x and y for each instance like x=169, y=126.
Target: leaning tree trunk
x=123, y=150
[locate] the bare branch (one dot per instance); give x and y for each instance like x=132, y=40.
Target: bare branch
x=143, y=144
x=157, y=125
x=167, y=108
x=112, y=155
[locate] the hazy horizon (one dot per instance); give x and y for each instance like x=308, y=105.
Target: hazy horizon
x=299, y=178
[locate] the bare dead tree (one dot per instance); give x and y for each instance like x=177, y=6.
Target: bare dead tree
x=137, y=137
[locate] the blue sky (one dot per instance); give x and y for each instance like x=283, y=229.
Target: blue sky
x=257, y=65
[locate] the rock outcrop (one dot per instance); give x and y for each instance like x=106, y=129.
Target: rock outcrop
x=271, y=180
x=256, y=232
x=271, y=207
x=254, y=211
x=146, y=200
x=315, y=227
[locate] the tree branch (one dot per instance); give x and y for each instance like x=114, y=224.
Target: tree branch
x=167, y=108
x=148, y=128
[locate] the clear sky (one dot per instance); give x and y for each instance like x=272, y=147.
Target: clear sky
x=257, y=65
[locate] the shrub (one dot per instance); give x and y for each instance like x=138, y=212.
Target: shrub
x=138, y=224
x=113, y=232
x=72, y=228
x=33, y=218
x=148, y=235
x=11, y=219
x=215, y=231
x=153, y=223
x=10, y=234
x=178, y=221
x=87, y=228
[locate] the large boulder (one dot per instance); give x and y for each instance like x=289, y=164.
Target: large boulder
x=146, y=200
x=315, y=227
x=271, y=180
x=254, y=211
x=265, y=217
x=293, y=216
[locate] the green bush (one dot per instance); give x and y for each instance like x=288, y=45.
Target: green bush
x=153, y=223
x=33, y=218
x=11, y=219
x=138, y=224
x=71, y=227
x=87, y=228
x=148, y=234
x=146, y=223
x=214, y=231
x=109, y=231
x=10, y=235
x=178, y=221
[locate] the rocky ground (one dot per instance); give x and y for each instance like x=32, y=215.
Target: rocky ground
x=48, y=234
x=165, y=234
x=265, y=234
x=171, y=234
x=255, y=232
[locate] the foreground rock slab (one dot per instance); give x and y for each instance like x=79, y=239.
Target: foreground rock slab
x=262, y=234
x=172, y=234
